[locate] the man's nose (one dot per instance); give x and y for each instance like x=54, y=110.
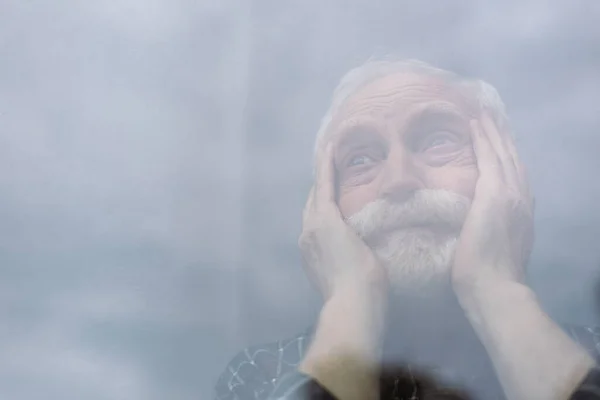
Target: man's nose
x=400, y=177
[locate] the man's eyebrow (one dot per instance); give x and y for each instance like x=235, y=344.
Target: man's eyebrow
x=355, y=131
x=435, y=112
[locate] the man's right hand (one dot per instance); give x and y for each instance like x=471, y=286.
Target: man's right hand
x=335, y=257
x=346, y=350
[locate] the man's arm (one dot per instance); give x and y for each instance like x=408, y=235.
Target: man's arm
x=345, y=352
x=532, y=355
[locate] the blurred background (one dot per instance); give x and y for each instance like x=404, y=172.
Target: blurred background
x=155, y=157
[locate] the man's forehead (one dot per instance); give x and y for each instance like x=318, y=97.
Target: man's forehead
x=397, y=94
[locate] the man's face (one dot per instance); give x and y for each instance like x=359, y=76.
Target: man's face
x=399, y=134
x=406, y=173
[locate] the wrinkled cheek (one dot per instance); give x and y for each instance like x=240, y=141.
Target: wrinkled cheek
x=462, y=182
x=468, y=183
x=353, y=199
x=461, y=179
x=467, y=173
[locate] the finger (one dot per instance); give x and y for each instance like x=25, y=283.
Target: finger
x=499, y=143
x=487, y=160
x=309, y=204
x=525, y=182
x=511, y=148
x=324, y=186
x=519, y=166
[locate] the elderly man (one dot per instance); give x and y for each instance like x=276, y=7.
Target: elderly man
x=417, y=233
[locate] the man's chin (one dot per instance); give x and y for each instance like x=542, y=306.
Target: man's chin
x=417, y=266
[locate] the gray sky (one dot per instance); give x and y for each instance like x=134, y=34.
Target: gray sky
x=156, y=157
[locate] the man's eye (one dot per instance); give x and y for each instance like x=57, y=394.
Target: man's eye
x=359, y=160
x=438, y=140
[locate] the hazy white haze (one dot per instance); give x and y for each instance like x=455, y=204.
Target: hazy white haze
x=155, y=157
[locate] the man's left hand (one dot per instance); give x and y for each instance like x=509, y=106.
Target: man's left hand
x=533, y=357
x=497, y=236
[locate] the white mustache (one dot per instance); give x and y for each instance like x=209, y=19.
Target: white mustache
x=427, y=207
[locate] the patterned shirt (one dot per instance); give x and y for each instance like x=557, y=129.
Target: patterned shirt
x=268, y=371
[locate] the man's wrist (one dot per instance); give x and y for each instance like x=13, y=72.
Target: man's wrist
x=353, y=320
x=501, y=304
x=353, y=305
x=492, y=296
x=373, y=290
x=346, y=350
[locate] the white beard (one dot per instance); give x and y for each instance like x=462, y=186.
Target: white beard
x=417, y=263
x=418, y=258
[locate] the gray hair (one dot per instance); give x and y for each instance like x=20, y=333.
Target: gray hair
x=485, y=94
